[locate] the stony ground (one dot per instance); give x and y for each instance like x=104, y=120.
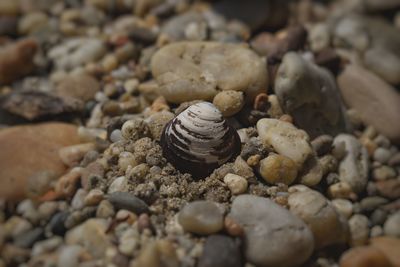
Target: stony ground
x=311, y=87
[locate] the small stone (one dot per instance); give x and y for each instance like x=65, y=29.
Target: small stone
x=278, y=169
x=80, y=86
x=69, y=256
x=237, y=184
x=157, y=122
x=382, y=155
x=233, y=228
x=389, y=188
x=47, y=245
x=127, y=201
x=94, y=197
x=201, y=217
x=353, y=168
x=72, y=155
x=56, y=224
x=27, y=239
x=320, y=215
x=359, y=230
x=77, y=201
x=135, y=129
x=322, y=144
x=372, y=203
x=343, y=206
x=220, y=251
x=376, y=231
x=120, y=184
x=383, y=173
x=157, y=254
x=15, y=226
x=341, y=190
x=229, y=102
x=105, y=210
x=389, y=246
x=272, y=235
x=365, y=256
x=392, y=225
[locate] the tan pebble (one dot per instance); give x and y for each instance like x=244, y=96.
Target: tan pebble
x=144, y=222
x=68, y=183
x=286, y=118
x=261, y=102
x=390, y=246
x=369, y=145
x=125, y=160
x=159, y=104
x=229, y=102
x=126, y=216
x=233, y=228
x=110, y=62
x=94, y=197
x=341, y=190
x=275, y=111
x=359, y=230
x=278, y=169
x=237, y=184
x=343, y=206
x=253, y=160
x=72, y=155
x=366, y=256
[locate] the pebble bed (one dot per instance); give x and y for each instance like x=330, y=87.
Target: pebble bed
x=311, y=88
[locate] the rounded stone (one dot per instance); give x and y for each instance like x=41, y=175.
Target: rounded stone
x=392, y=225
x=229, y=102
x=359, y=230
x=343, y=206
x=236, y=183
x=364, y=257
x=201, y=217
x=382, y=155
x=278, y=169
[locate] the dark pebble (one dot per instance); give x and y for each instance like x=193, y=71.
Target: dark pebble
x=220, y=251
x=127, y=201
x=322, y=144
x=57, y=223
x=27, y=239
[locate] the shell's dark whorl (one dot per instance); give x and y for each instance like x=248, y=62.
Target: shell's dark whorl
x=199, y=140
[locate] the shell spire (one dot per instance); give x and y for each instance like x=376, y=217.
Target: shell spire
x=199, y=140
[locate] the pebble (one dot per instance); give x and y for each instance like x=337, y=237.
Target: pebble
x=16, y=225
x=389, y=246
x=128, y=242
x=16, y=60
x=383, y=173
x=135, y=129
x=359, y=230
x=375, y=101
x=91, y=235
x=27, y=239
x=298, y=86
x=127, y=201
x=28, y=210
x=93, y=197
x=365, y=256
x=382, y=155
x=237, y=184
x=80, y=86
x=392, y=225
x=343, y=206
x=372, y=203
x=56, y=224
x=286, y=139
x=220, y=251
x=157, y=121
x=201, y=217
x=276, y=169
x=187, y=71
x=46, y=245
x=353, y=168
x=71, y=156
x=326, y=224
x=78, y=201
x=34, y=149
x=229, y=102
x=389, y=189
x=319, y=37
x=69, y=256
x=341, y=190
x=157, y=254
x=105, y=210
x=272, y=235
x=322, y=144
x=120, y=184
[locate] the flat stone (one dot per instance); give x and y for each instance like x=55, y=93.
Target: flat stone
x=27, y=150
x=127, y=201
x=376, y=102
x=273, y=235
x=187, y=71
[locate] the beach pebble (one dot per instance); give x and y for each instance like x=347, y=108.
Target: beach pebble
x=220, y=251
x=80, y=86
x=105, y=209
x=127, y=201
x=322, y=144
x=278, y=169
x=326, y=224
x=343, y=206
x=93, y=197
x=359, y=230
x=286, y=139
x=237, y=184
x=392, y=225
x=135, y=129
x=383, y=173
x=229, y=102
x=389, y=189
x=201, y=217
x=157, y=254
x=16, y=60
x=91, y=235
x=389, y=246
x=120, y=184
x=382, y=155
x=360, y=89
x=365, y=256
x=187, y=71
x=69, y=256
x=157, y=121
x=309, y=94
x=273, y=235
x=71, y=156
x=353, y=168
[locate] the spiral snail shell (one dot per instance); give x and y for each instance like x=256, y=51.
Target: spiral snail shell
x=199, y=140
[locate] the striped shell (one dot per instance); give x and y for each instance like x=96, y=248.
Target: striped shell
x=199, y=140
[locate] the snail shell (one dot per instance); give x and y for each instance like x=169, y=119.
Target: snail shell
x=199, y=140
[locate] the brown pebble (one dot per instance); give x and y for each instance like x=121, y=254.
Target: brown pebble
x=390, y=246
x=261, y=102
x=232, y=228
x=253, y=160
x=286, y=118
x=144, y=222
x=366, y=256
x=68, y=183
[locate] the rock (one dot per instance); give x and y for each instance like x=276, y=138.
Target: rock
x=27, y=150
x=16, y=60
x=353, y=168
x=237, y=184
x=389, y=246
x=343, y=206
x=157, y=122
x=372, y=203
x=278, y=169
x=35, y=105
x=359, y=230
x=91, y=235
x=382, y=155
x=175, y=27
x=105, y=209
x=327, y=226
x=56, y=224
x=160, y=253
x=322, y=144
x=364, y=257
x=71, y=156
x=127, y=201
x=389, y=188
x=392, y=225
x=187, y=71
x=229, y=102
x=220, y=251
x=80, y=86
x=376, y=102
x=27, y=239
x=201, y=217
x=69, y=256
x=309, y=94
x=285, y=139
x=273, y=235
x=383, y=173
